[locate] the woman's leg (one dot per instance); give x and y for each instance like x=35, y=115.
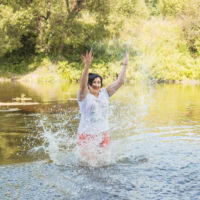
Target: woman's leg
x=94, y=150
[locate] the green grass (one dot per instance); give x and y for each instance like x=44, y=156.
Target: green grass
x=158, y=52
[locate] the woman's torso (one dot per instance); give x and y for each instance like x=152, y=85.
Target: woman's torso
x=94, y=113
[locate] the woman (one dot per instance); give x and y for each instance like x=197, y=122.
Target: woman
x=94, y=102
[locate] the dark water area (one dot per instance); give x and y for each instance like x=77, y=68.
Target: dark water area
x=154, y=151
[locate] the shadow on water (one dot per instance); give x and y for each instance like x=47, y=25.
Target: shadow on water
x=154, y=151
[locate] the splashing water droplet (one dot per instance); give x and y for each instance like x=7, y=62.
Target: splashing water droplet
x=58, y=132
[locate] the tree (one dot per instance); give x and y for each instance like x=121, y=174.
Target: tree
x=191, y=26
x=171, y=7
x=55, y=23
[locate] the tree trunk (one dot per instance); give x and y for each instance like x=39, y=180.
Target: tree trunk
x=67, y=3
x=62, y=44
x=39, y=28
x=48, y=9
x=61, y=47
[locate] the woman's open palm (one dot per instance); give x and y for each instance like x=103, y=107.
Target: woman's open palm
x=125, y=62
x=88, y=59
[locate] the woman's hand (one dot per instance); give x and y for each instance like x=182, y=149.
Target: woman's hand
x=113, y=87
x=125, y=62
x=83, y=90
x=88, y=59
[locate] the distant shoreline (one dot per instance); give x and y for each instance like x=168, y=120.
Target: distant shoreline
x=34, y=78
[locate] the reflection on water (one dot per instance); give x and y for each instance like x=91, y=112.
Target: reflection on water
x=154, y=150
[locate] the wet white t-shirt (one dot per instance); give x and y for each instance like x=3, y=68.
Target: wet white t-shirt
x=94, y=113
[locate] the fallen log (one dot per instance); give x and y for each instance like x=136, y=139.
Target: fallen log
x=22, y=99
x=10, y=110
x=18, y=103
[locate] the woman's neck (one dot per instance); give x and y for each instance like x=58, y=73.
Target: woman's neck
x=96, y=94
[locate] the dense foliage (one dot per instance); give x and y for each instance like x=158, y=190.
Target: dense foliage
x=163, y=37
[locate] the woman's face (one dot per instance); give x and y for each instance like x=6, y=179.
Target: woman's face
x=96, y=85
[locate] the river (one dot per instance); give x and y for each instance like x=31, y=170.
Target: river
x=154, y=151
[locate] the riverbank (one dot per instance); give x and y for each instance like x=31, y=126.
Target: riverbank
x=159, y=52
x=8, y=76
x=40, y=76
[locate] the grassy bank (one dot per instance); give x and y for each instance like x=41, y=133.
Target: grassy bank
x=159, y=51
x=166, y=53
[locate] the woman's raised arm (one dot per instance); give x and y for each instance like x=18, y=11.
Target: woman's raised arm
x=83, y=89
x=113, y=87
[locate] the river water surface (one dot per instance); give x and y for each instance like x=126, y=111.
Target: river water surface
x=154, y=150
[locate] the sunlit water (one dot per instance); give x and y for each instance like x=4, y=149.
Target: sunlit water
x=154, y=151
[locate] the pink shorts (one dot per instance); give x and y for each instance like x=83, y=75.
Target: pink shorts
x=89, y=141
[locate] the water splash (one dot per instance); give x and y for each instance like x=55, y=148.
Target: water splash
x=58, y=133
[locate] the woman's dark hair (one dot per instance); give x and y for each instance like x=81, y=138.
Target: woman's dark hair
x=91, y=78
